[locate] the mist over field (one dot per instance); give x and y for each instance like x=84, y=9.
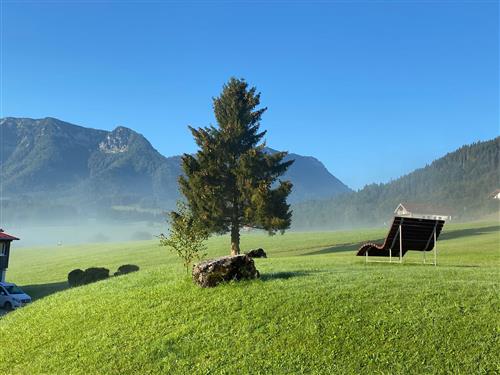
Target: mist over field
x=95, y=231
x=64, y=183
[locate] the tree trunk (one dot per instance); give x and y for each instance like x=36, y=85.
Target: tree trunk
x=235, y=227
x=235, y=239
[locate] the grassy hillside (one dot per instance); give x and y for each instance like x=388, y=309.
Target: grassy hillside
x=316, y=309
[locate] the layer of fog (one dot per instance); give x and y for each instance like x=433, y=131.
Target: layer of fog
x=38, y=234
x=34, y=234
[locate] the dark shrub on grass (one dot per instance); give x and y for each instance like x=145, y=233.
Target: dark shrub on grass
x=90, y=275
x=95, y=274
x=126, y=268
x=76, y=277
x=257, y=253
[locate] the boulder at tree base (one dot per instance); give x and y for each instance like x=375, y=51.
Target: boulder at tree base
x=209, y=273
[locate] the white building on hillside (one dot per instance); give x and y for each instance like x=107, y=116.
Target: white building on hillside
x=495, y=194
x=422, y=211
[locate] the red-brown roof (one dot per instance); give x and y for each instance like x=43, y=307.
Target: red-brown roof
x=6, y=237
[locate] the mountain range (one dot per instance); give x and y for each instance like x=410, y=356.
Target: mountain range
x=49, y=164
x=54, y=170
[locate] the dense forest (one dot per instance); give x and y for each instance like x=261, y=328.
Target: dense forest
x=460, y=181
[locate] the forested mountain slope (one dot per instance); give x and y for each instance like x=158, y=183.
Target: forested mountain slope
x=461, y=181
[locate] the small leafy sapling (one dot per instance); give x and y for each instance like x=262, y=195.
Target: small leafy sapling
x=186, y=236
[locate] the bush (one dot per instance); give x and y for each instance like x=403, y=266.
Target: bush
x=257, y=253
x=76, y=277
x=95, y=274
x=126, y=268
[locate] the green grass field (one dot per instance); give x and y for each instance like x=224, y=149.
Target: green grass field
x=317, y=309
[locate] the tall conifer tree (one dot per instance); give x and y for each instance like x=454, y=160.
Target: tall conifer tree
x=232, y=182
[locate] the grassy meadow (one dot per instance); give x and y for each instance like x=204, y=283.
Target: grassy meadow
x=317, y=309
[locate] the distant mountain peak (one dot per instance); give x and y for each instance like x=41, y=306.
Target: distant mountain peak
x=123, y=130
x=117, y=141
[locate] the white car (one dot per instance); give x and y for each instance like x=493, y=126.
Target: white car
x=12, y=297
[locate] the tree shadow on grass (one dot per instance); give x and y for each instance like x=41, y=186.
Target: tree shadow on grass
x=285, y=275
x=453, y=234
x=342, y=248
x=37, y=291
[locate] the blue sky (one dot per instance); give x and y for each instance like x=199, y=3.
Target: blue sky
x=372, y=89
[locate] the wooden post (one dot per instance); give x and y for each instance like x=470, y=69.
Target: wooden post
x=435, y=248
x=400, y=244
